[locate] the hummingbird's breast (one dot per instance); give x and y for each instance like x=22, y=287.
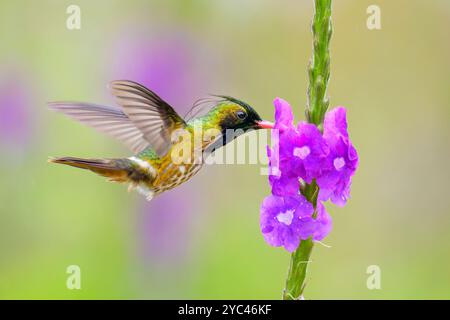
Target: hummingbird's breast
x=172, y=174
x=183, y=160
x=175, y=169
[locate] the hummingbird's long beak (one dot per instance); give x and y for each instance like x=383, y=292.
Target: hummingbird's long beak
x=265, y=124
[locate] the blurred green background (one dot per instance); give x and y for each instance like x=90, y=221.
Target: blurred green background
x=202, y=240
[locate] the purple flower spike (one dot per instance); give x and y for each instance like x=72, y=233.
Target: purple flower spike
x=342, y=159
x=281, y=220
x=303, y=153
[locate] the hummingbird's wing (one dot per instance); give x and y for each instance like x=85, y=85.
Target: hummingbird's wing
x=105, y=119
x=154, y=117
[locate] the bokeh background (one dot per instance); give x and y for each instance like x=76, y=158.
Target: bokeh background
x=202, y=240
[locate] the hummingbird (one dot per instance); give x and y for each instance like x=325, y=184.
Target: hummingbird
x=155, y=132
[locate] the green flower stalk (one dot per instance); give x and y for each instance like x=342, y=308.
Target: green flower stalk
x=319, y=67
x=319, y=75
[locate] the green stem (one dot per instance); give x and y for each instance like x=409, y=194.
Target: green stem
x=295, y=282
x=319, y=74
x=319, y=65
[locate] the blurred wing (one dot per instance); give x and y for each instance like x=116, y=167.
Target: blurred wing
x=154, y=117
x=105, y=119
x=201, y=107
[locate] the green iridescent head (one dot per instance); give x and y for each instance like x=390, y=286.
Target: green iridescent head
x=233, y=114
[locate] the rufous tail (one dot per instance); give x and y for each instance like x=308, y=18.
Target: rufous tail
x=117, y=170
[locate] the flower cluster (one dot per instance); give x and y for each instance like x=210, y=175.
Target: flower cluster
x=300, y=155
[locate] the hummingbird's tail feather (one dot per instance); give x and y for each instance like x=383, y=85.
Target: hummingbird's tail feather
x=117, y=170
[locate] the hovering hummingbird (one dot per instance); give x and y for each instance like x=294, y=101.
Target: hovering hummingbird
x=148, y=126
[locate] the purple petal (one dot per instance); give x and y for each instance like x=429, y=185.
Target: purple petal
x=324, y=223
x=317, y=228
x=335, y=122
x=284, y=118
x=284, y=185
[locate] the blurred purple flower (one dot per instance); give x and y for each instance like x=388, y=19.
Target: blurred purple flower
x=15, y=116
x=166, y=65
x=163, y=222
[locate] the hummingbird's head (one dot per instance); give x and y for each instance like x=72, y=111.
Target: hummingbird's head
x=234, y=114
x=232, y=117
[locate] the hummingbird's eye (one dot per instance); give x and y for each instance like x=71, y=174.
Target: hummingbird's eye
x=241, y=114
